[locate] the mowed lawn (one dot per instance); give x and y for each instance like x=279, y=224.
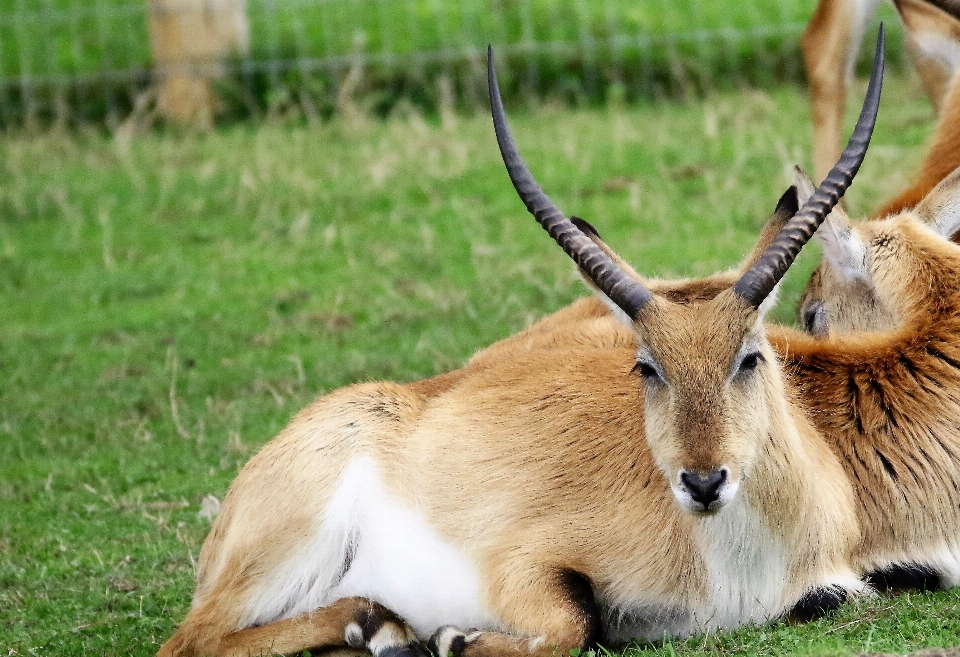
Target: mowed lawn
x=167, y=303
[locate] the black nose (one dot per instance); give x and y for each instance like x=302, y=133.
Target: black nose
x=705, y=490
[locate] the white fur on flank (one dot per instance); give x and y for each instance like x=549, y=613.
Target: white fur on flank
x=399, y=560
x=369, y=544
x=301, y=584
x=947, y=565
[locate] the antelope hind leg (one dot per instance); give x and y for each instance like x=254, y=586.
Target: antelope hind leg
x=349, y=622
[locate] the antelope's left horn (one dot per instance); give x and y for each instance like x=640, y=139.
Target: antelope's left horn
x=629, y=294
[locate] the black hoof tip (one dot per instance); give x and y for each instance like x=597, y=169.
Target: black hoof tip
x=905, y=577
x=448, y=641
x=817, y=603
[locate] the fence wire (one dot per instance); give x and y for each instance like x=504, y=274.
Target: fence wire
x=77, y=61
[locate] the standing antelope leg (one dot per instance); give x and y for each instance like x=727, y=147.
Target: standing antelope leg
x=354, y=622
x=941, y=159
x=830, y=45
x=935, y=35
x=553, y=612
x=932, y=36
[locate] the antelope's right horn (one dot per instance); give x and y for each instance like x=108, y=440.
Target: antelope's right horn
x=758, y=281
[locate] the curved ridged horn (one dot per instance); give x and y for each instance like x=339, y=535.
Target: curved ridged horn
x=758, y=281
x=622, y=289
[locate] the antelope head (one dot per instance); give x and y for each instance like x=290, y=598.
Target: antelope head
x=875, y=273
x=711, y=386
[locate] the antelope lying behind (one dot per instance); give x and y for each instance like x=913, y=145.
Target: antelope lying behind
x=889, y=399
x=549, y=499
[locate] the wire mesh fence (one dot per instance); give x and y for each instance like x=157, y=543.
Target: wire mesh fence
x=75, y=61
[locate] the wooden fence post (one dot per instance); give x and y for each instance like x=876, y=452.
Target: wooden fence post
x=189, y=40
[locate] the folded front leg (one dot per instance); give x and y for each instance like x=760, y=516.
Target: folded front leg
x=549, y=611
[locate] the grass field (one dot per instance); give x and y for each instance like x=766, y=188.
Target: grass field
x=63, y=37
x=88, y=61
x=167, y=304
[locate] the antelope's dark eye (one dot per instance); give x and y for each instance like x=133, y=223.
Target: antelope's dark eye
x=750, y=361
x=647, y=371
x=815, y=319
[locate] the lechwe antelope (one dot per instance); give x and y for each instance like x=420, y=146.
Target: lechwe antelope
x=883, y=378
x=830, y=45
x=552, y=501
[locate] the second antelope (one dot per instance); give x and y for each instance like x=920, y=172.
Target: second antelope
x=884, y=369
x=548, y=501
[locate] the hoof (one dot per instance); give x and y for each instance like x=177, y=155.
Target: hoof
x=905, y=577
x=383, y=633
x=448, y=641
x=818, y=602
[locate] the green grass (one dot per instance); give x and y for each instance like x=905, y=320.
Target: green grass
x=62, y=37
x=167, y=304
x=86, y=61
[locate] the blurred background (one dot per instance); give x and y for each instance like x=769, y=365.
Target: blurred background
x=81, y=61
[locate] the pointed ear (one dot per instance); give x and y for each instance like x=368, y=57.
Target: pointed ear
x=804, y=185
x=842, y=246
x=940, y=209
x=787, y=206
x=587, y=229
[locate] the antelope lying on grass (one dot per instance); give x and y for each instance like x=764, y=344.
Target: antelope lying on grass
x=549, y=500
x=888, y=400
x=880, y=379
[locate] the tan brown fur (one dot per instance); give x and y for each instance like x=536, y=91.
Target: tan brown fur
x=545, y=448
x=827, y=44
x=942, y=157
x=511, y=443
x=886, y=383
x=891, y=391
x=888, y=402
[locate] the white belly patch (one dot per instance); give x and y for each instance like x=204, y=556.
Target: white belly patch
x=398, y=560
